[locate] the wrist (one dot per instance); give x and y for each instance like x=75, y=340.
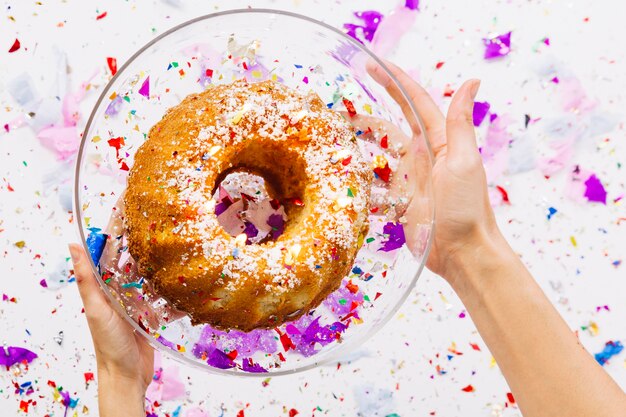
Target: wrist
x=472, y=267
x=113, y=380
x=120, y=395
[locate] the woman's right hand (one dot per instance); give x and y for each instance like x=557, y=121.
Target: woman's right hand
x=464, y=218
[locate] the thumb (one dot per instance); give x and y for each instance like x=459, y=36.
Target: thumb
x=461, y=138
x=93, y=298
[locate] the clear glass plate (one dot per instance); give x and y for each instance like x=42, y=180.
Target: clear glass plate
x=303, y=54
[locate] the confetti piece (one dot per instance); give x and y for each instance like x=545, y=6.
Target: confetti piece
x=145, y=88
x=349, y=107
x=611, y=348
x=551, y=212
x=481, y=109
x=468, y=388
x=16, y=45
x=365, y=31
x=95, y=243
x=101, y=16
x=412, y=4
x=505, y=195
x=13, y=354
x=112, y=64
x=594, y=190
x=395, y=237
x=497, y=46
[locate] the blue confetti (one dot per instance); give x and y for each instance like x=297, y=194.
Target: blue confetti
x=551, y=212
x=95, y=243
x=610, y=349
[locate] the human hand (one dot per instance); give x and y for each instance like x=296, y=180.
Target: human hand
x=464, y=219
x=124, y=358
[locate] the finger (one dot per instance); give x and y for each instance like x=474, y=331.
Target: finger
x=90, y=292
x=434, y=122
x=461, y=137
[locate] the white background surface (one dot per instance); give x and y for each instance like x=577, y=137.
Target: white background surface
x=395, y=372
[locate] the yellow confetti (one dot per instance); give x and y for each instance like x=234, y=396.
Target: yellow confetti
x=380, y=161
x=257, y=74
x=492, y=363
x=367, y=108
x=20, y=244
x=573, y=240
x=112, y=96
x=96, y=139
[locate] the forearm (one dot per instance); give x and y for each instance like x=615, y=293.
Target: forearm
x=548, y=370
x=118, y=396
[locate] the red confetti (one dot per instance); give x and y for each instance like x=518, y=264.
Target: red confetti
x=384, y=142
x=468, y=388
x=352, y=287
x=475, y=346
x=346, y=161
x=241, y=414
x=448, y=91
x=89, y=377
x=232, y=355
x=509, y=396
x=9, y=187
x=112, y=63
x=383, y=173
x=116, y=143
x=16, y=46
x=209, y=72
x=245, y=66
x=505, y=195
x=439, y=64
x=24, y=406
x=101, y=16
x=286, y=341
x=349, y=107
x=293, y=412
x=378, y=294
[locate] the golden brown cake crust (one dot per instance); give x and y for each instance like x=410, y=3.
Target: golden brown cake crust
x=303, y=149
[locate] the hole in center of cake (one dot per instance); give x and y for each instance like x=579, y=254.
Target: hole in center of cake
x=248, y=207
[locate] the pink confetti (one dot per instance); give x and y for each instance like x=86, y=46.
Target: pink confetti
x=145, y=88
x=391, y=30
x=64, y=141
x=196, y=412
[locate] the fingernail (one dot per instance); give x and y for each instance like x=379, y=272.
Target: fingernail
x=474, y=88
x=75, y=253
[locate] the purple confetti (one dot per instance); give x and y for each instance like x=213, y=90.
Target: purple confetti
x=251, y=231
x=396, y=238
x=412, y=4
x=497, y=47
x=277, y=223
x=145, y=88
x=114, y=106
x=249, y=366
x=371, y=19
x=13, y=354
x=595, y=190
x=219, y=359
x=222, y=206
x=481, y=108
